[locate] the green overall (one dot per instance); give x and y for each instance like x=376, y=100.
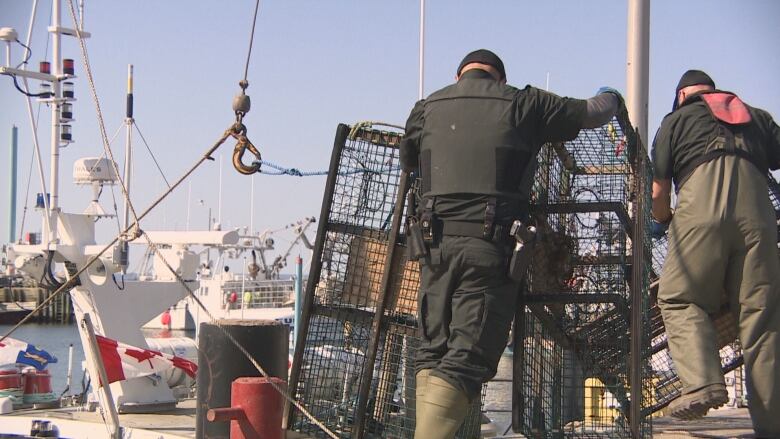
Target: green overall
x=722, y=247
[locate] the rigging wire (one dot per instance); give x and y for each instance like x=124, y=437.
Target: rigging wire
x=36, y=121
x=151, y=153
x=101, y=123
x=72, y=279
x=251, y=40
x=27, y=194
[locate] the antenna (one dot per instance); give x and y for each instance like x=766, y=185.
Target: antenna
x=124, y=258
x=128, y=143
x=219, y=198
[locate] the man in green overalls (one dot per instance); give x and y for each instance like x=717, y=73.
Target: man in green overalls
x=473, y=143
x=722, y=245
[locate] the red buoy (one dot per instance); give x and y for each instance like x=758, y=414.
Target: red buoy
x=165, y=318
x=233, y=297
x=10, y=379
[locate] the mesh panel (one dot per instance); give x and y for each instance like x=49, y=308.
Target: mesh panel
x=347, y=288
x=572, y=348
x=572, y=335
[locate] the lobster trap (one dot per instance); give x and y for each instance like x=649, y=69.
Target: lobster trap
x=353, y=364
x=580, y=350
x=588, y=339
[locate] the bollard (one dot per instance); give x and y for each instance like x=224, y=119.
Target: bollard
x=255, y=410
x=220, y=363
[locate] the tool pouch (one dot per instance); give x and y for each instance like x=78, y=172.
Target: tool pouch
x=415, y=243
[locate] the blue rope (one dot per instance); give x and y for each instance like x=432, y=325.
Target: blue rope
x=295, y=172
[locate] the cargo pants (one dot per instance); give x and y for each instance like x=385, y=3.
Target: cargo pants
x=722, y=246
x=466, y=303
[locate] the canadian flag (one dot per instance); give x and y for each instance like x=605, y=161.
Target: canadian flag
x=123, y=361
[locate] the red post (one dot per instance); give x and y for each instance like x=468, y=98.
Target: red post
x=256, y=409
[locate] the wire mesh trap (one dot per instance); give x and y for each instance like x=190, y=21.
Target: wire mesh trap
x=354, y=368
x=582, y=301
x=572, y=341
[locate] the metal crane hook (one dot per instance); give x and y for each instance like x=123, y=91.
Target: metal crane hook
x=239, y=133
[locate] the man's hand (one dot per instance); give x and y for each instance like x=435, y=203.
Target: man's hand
x=658, y=229
x=606, y=89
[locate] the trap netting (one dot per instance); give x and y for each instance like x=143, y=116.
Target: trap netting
x=667, y=383
x=572, y=340
x=353, y=365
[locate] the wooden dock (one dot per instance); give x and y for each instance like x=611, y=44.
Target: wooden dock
x=17, y=302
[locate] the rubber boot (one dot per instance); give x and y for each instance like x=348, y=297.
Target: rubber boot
x=420, y=385
x=443, y=409
x=696, y=404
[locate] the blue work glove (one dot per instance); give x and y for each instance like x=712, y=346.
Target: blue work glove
x=658, y=229
x=610, y=90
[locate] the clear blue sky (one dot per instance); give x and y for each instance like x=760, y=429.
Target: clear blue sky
x=318, y=63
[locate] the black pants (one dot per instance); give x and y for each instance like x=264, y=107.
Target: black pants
x=466, y=304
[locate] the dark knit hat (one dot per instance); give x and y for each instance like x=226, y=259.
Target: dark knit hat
x=483, y=56
x=689, y=78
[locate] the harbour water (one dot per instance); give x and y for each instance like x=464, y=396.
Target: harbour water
x=56, y=340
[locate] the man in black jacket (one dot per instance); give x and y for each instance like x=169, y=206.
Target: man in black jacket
x=722, y=245
x=474, y=145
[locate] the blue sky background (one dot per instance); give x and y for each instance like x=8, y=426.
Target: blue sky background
x=318, y=63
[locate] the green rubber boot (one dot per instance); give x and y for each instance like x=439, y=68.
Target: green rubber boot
x=440, y=410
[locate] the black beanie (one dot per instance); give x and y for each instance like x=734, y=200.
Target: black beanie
x=689, y=78
x=483, y=56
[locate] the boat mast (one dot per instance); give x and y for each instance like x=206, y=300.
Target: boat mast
x=56, y=103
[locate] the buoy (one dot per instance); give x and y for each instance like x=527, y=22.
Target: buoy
x=165, y=318
x=10, y=379
x=37, y=387
x=233, y=297
x=11, y=386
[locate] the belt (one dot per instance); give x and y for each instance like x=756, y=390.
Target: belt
x=500, y=232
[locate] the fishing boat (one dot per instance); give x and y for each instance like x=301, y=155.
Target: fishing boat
x=258, y=291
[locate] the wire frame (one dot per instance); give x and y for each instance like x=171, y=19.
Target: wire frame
x=353, y=365
x=572, y=346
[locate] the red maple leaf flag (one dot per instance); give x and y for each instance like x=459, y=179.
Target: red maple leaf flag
x=123, y=361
